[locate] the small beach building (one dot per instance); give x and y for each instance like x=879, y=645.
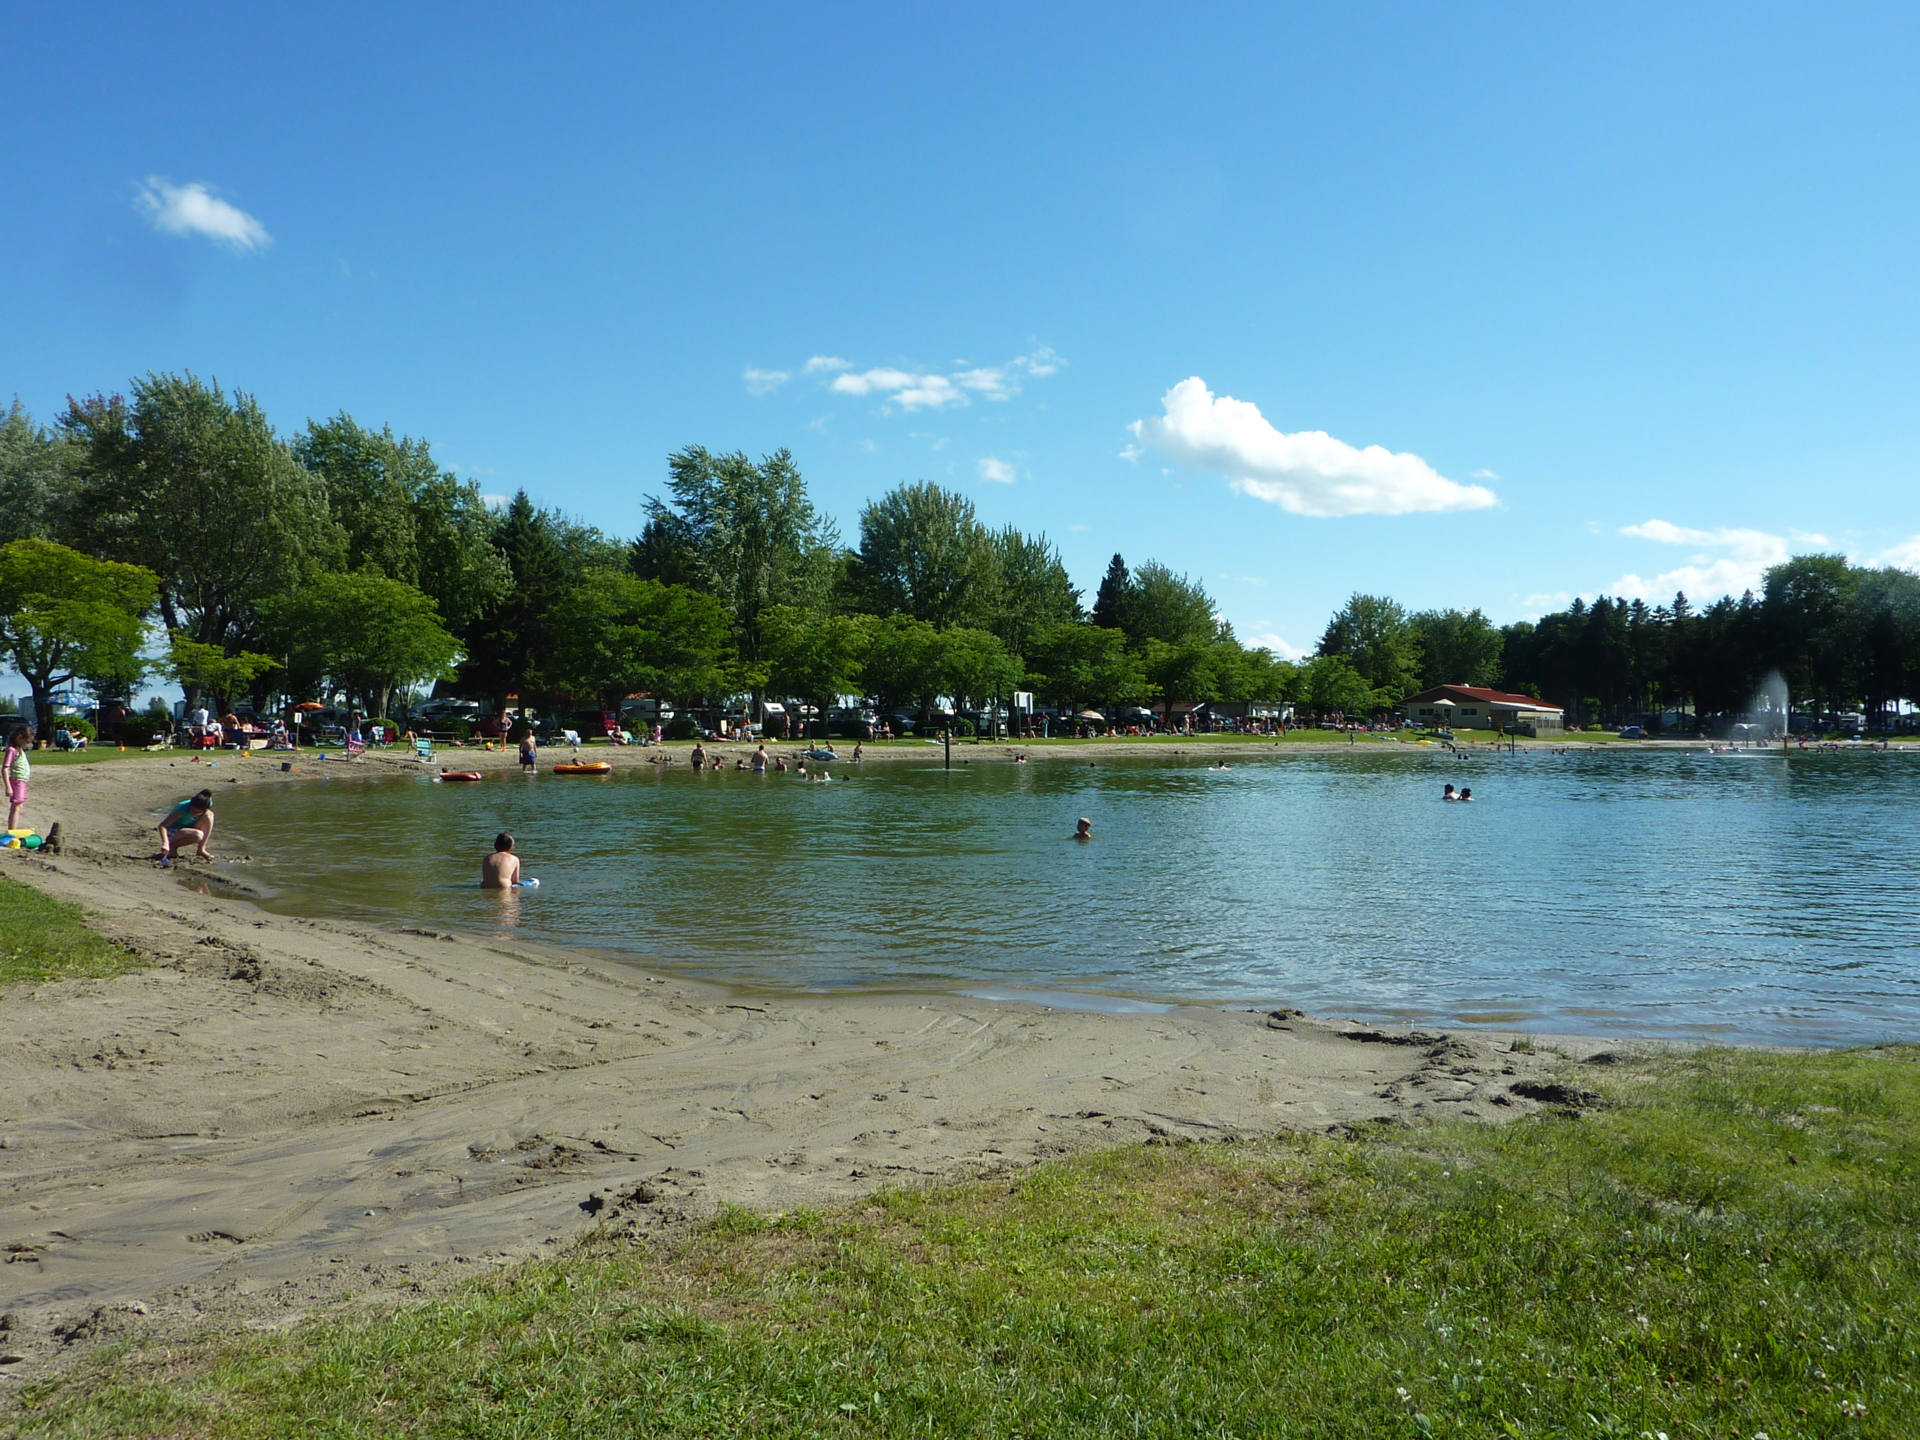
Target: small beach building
x=1475, y=707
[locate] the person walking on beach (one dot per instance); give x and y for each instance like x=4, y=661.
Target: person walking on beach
x=18, y=771
x=501, y=869
x=188, y=823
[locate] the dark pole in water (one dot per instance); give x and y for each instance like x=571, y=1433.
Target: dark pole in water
x=946, y=735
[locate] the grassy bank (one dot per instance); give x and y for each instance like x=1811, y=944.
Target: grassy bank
x=1725, y=1247
x=42, y=939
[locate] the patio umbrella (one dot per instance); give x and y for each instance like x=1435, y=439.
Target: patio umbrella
x=1091, y=715
x=309, y=705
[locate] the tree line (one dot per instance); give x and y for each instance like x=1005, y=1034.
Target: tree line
x=1843, y=637
x=344, y=559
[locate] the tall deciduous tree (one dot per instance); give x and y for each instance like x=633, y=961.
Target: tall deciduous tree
x=37, y=480
x=209, y=671
x=1076, y=665
x=1375, y=637
x=406, y=518
x=925, y=554
x=745, y=533
x=1031, y=589
x=1170, y=608
x=194, y=485
x=64, y=614
x=1456, y=648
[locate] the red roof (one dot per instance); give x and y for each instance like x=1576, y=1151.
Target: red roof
x=1477, y=692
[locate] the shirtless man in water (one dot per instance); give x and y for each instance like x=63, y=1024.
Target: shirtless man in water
x=501, y=869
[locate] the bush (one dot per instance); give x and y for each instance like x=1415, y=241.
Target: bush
x=77, y=725
x=682, y=727
x=392, y=729
x=144, y=729
x=963, y=728
x=458, y=728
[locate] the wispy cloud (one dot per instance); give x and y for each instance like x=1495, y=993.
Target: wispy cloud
x=495, y=502
x=997, y=471
x=1725, y=561
x=1906, y=554
x=1278, y=644
x=1309, y=473
x=195, y=210
x=917, y=389
x=1486, y=475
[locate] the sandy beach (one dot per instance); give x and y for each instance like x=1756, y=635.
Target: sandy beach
x=283, y=1110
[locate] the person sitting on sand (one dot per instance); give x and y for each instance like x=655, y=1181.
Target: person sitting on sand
x=188, y=823
x=1447, y=794
x=501, y=869
x=1083, y=829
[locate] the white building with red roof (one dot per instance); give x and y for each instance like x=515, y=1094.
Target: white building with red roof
x=1475, y=707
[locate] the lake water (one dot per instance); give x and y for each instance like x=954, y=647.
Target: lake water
x=1752, y=897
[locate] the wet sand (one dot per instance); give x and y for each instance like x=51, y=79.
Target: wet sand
x=280, y=1110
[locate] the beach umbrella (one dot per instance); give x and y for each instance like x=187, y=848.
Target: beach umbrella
x=309, y=705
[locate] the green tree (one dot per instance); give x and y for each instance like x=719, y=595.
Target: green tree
x=904, y=665
x=37, y=482
x=1031, y=589
x=746, y=534
x=1805, y=603
x=977, y=667
x=925, y=554
x=509, y=644
x=406, y=518
x=1160, y=605
x=209, y=671
x=1374, y=636
x=1073, y=666
x=64, y=615
x=815, y=657
x=1456, y=648
x=619, y=635
x=1330, y=685
x=1110, y=601
x=194, y=485
x=367, y=634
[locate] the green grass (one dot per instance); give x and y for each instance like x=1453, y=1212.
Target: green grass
x=1728, y=1248
x=42, y=939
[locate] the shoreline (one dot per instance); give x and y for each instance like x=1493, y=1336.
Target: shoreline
x=284, y=1109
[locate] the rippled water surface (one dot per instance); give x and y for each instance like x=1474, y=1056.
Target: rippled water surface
x=1634, y=892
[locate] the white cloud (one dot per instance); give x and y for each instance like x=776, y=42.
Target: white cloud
x=1078, y=529
x=932, y=390
x=1906, y=554
x=1540, y=603
x=1279, y=645
x=765, y=382
x=494, y=502
x=998, y=471
x=195, y=210
x=1486, y=475
x=1309, y=473
x=1725, y=561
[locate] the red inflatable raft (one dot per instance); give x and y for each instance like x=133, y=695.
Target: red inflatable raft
x=459, y=774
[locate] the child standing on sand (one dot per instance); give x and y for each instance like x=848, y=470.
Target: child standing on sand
x=18, y=770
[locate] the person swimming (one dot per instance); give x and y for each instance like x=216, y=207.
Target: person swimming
x=501, y=869
x=1083, y=829
x=1467, y=793
x=1448, y=794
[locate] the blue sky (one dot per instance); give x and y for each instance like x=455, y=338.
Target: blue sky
x=1625, y=295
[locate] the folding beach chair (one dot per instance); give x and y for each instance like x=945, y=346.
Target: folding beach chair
x=355, y=748
x=423, y=747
